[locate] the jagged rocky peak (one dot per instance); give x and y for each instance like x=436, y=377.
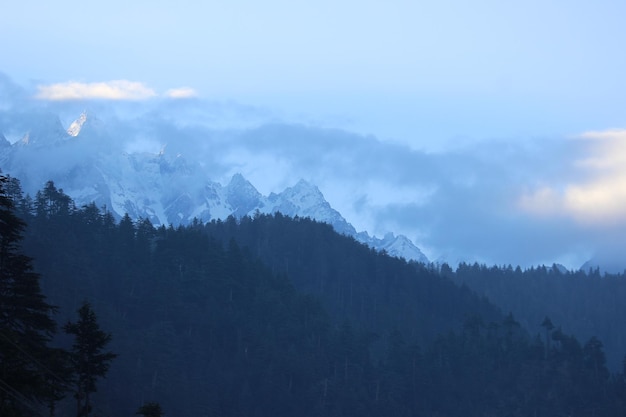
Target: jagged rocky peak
x=241, y=185
x=305, y=187
x=242, y=196
x=86, y=122
x=77, y=124
x=303, y=194
x=306, y=200
x=401, y=246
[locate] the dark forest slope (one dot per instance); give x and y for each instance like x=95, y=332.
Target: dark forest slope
x=584, y=304
x=356, y=282
x=279, y=317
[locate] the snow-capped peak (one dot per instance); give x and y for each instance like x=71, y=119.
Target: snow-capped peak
x=162, y=188
x=304, y=195
x=242, y=196
x=77, y=124
x=400, y=246
x=87, y=124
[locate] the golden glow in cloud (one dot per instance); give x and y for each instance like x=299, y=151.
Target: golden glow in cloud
x=109, y=90
x=183, y=92
x=601, y=197
x=542, y=202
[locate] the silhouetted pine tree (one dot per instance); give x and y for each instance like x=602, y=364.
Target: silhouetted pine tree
x=27, y=375
x=88, y=360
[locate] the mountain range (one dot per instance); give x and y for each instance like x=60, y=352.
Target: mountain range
x=92, y=162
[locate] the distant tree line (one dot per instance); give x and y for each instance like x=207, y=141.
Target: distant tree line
x=585, y=303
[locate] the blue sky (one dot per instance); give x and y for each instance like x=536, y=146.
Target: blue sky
x=421, y=72
x=518, y=108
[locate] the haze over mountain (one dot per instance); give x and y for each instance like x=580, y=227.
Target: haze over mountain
x=533, y=201
x=165, y=189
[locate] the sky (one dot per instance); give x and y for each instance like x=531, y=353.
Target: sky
x=482, y=130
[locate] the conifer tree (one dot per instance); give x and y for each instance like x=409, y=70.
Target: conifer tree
x=26, y=326
x=89, y=361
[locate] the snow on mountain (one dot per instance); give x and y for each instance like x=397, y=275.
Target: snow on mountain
x=164, y=188
x=77, y=125
x=400, y=245
x=306, y=200
x=242, y=197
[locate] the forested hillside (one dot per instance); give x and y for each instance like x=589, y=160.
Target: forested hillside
x=375, y=291
x=273, y=316
x=584, y=304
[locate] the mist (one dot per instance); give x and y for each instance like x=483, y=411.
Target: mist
x=498, y=201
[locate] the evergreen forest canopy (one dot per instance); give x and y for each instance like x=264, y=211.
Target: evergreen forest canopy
x=274, y=316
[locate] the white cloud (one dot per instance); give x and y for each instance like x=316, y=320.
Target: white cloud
x=600, y=196
x=599, y=201
x=109, y=90
x=183, y=92
x=608, y=150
